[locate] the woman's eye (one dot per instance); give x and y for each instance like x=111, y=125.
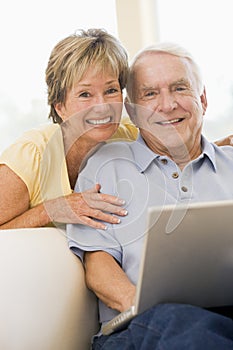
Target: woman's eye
x=84, y=94
x=112, y=90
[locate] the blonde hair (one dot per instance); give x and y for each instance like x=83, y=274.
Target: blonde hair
x=164, y=47
x=71, y=58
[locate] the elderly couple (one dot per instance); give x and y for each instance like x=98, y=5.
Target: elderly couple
x=68, y=172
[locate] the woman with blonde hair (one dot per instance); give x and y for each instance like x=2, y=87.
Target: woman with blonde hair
x=85, y=76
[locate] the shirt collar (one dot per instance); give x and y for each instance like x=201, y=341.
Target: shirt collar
x=208, y=149
x=144, y=156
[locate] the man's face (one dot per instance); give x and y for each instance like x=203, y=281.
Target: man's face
x=168, y=107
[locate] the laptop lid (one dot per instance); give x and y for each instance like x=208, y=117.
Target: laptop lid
x=188, y=256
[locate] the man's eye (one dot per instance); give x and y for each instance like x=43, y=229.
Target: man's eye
x=180, y=88
x=150, y=93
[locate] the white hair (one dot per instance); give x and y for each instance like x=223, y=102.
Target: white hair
x=169, y=48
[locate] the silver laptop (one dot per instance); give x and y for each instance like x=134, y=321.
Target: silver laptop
x=187, y=258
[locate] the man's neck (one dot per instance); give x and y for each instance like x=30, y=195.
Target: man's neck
x=182, y=159
x=181, y=154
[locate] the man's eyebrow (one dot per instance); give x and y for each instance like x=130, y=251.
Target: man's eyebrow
x=154, y=87
x=144, y=88
x=148, y=87
x=181, y=81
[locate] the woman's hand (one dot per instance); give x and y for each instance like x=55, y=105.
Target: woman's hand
x=78, y=208
x=226, y=141
x=84, y=208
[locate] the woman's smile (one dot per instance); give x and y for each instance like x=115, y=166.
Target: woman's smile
x=99, y=122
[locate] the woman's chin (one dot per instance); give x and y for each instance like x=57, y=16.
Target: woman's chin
x=101, y=134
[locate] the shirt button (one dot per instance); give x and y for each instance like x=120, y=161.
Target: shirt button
x=184, y=189
x=175, y=175
x=164, y=161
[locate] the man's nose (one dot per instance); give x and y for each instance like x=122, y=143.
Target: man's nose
x=166, y=102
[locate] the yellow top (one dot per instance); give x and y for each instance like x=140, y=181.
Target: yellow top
x=38, y=158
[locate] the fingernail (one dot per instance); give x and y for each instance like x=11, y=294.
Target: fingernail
x=120, y=201
x=115, y=220
x=124, y=212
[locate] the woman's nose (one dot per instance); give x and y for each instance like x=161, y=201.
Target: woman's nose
x=100, y=105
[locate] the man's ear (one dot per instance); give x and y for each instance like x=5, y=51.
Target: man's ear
x=131, y=110
x=204, y=101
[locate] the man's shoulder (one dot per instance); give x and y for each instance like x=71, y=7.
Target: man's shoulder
x=223, y=150
x=114, y=150
x=107, y=155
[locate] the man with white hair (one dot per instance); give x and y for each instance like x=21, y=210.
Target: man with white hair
x=171, y=162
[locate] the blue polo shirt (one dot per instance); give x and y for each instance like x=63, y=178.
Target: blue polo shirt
x=143, y=178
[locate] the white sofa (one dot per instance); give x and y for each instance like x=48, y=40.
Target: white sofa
x=44, y=303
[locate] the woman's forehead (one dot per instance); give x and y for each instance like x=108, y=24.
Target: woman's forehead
x=97, y=71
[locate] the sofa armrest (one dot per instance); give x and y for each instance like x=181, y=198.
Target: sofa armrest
x=44, y=302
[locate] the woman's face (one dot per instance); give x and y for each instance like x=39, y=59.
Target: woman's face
x=93, y=106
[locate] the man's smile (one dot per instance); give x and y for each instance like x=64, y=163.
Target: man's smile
x=172, y=121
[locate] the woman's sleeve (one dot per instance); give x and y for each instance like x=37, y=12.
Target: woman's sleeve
x=127, y=131
x=23, y=158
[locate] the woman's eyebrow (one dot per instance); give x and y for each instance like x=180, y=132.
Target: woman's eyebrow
x=89, y=84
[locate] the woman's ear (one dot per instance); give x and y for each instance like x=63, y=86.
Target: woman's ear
x=59, y=108
x=130, y=108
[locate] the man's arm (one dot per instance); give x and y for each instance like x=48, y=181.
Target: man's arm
x=108, y=281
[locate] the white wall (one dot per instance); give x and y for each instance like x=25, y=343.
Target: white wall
x=28, y=32
x=137, y=23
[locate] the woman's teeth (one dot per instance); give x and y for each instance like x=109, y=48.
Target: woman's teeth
x=99, y=121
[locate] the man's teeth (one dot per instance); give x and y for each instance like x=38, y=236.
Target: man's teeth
x=171, y=121
x=99, y=121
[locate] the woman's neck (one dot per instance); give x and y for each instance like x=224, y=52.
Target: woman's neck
x=76, y=150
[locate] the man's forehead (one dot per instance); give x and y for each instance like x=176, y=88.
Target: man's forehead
x=163, y=64
x=156, y=56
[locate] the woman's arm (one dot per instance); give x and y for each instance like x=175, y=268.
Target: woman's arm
x=77, y=208
x=226, y=141
x=108, y=281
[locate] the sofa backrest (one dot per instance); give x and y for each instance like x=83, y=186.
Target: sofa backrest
x=44, y=303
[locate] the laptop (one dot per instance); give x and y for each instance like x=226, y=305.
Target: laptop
x=187, y=258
